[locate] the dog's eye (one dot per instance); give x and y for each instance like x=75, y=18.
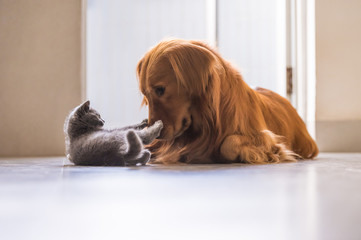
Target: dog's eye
x=159, y=91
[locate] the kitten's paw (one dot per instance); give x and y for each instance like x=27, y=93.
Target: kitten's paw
x=158, y=126
x=141, y=159
x=158, y=123
x=134, y=144
x=150, y=133
x=144, y=123
x=141, y=125
x=145, y=157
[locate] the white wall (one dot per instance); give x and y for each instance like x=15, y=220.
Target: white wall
x=40, y=74
x=338, y=75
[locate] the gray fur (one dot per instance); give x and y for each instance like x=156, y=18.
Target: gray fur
x=88, y=143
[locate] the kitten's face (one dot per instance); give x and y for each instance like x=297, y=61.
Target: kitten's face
x=88, y=116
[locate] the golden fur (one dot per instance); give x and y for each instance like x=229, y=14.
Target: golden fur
x=211, y=115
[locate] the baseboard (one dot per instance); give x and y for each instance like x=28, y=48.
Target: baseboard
x=339, y=136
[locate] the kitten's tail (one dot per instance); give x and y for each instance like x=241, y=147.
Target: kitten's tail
x=135, y=145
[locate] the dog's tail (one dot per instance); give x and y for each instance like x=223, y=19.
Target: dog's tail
x=306, y=146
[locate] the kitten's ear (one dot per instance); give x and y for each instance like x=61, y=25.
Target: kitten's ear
x=85, y=106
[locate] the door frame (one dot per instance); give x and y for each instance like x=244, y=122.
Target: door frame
x=301, y=59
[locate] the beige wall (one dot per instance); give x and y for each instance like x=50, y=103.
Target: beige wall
x=338, y=74
x=40, y=74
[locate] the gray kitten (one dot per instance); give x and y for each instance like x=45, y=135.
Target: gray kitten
x=87, y=143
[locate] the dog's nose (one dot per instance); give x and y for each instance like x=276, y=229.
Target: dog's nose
x=184, y=122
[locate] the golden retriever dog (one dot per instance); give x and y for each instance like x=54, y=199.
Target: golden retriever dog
x=211, y=115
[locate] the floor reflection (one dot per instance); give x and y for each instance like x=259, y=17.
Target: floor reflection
x=49, y=198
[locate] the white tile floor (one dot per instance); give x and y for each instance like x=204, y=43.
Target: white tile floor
x=320, y=199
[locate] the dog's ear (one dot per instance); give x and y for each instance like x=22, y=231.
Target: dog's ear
x=140, y=79
x=195, y=66
x=139, y=67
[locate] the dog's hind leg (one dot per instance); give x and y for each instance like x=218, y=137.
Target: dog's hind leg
x=266, y=147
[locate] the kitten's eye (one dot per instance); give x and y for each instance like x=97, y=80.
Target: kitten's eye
x=160, y=91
